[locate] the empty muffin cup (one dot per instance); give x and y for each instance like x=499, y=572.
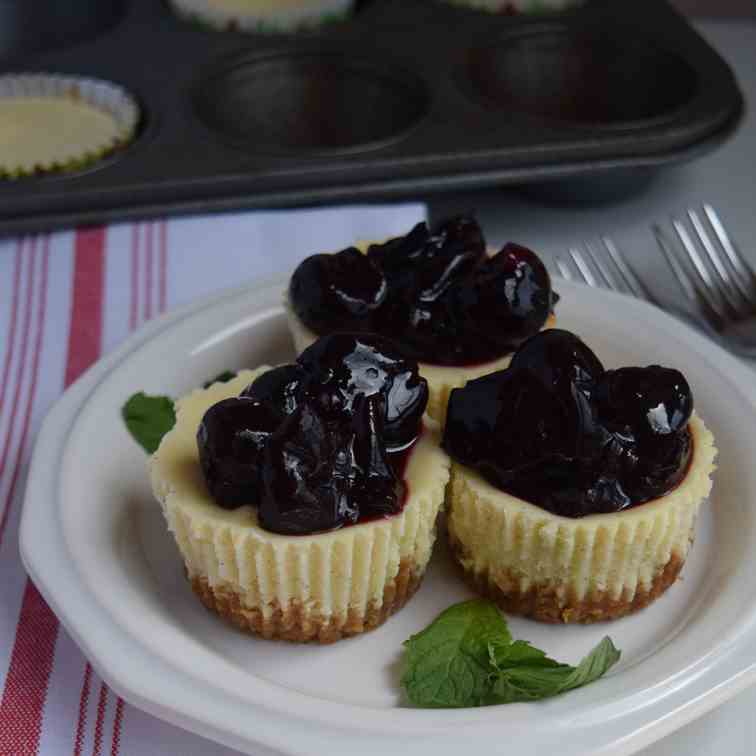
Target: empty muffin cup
x=53, y=124
x=574, y=77
x=310, y=102
x=29, y=27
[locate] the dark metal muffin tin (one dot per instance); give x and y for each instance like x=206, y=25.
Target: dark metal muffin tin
x=408, y=96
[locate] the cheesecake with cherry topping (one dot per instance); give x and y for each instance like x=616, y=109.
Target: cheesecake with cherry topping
x=574, y=489
x=448, y=302
x=304, y=498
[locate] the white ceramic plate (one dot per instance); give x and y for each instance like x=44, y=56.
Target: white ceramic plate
x=95, y=544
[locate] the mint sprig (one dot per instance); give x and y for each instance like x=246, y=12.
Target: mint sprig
x=448, y=662
x=466, y=657
x=148, y=419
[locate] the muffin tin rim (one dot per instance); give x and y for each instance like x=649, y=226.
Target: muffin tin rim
x=415, y=162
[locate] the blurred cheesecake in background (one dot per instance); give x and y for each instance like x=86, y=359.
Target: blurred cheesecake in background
x=267, y=16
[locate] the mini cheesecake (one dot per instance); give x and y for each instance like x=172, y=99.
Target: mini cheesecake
x=579, y=516
x=455, y=306
x=298, y=586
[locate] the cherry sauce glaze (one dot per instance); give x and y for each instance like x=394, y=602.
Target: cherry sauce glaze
x=450, y=301
x=559, y=431
x=320, y=443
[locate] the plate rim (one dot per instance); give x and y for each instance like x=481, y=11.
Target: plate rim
x=76, y=398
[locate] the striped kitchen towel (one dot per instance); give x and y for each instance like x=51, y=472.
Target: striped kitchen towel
x=66, y=299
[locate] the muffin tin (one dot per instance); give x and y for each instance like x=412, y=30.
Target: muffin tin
x=407, y=96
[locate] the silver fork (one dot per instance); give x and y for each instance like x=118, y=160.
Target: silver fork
x=714, y=277
x=603, y=266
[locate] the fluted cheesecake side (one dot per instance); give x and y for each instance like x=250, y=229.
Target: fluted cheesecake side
x=319, y=587
x=560, y=569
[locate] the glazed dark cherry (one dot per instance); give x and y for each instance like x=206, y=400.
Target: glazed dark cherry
x=320, y=443
x=558, y=430
x=347, y=367
x=319, y=475
x=652, y=400
x=231, y=441
x=449, y=301
x=343, y=288
x=278, y=387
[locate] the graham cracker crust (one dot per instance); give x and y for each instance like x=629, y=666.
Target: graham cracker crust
x=543, y=604
x=293, y=623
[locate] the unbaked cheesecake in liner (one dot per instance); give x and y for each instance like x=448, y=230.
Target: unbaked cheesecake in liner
x=55, y=124
x=319, y=587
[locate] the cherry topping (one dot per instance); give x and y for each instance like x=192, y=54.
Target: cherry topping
x=507, y=299
x=558, y=358
x=653, y=400
x=318, y=477
x=464, y=230
x=321, y=443
x=397, y=257
x=231, y=439
x=559, y=431
x=339, y=291
x=278, y=387
x=346, y=367
x=307, y=476
x=376, y=486
x=449, y=302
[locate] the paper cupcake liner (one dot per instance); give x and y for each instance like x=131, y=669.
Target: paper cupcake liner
x=319, y=587
x=442, y=379
x=100, y=95
x=262, y=16
x=585, y=569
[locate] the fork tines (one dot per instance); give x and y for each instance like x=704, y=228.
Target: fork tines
x=710, y=269
x=604, y=267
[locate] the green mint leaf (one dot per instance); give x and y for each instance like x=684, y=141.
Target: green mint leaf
x=594, y=665
x=466, y=657
x=518, y=653
x=148, y=419
x=524, y=683
x=448, y=664
x=224, y=377
x=523, y=673
x=527, y=674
